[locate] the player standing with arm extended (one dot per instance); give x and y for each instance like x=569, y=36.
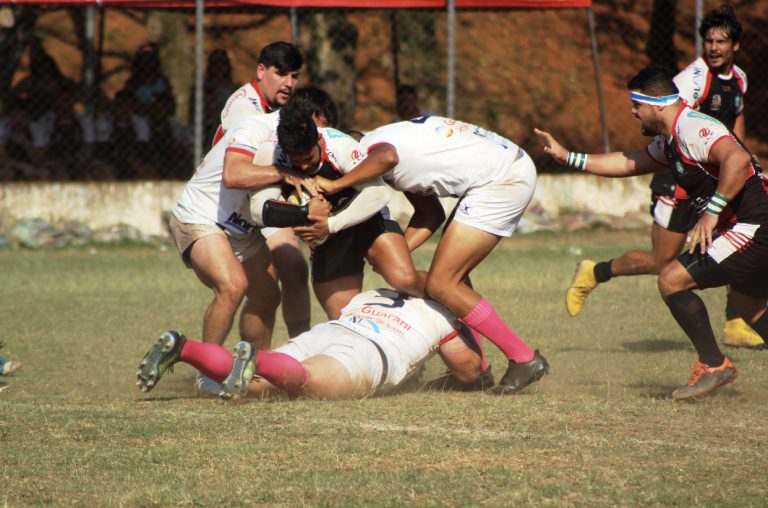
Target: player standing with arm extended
x=494, y=179
x=714, y=85
x=728, y=243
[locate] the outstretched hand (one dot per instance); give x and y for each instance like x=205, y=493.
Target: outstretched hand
x=552, y=147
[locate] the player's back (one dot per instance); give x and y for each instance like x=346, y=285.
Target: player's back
x=442, y=155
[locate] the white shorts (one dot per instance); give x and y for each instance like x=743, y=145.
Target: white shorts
x=185, y=235
x=498, y=207
x=358, y=354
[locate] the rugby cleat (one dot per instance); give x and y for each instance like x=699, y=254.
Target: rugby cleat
x=705, y=380
x=236, y=384
x=520, y=375
x=8, y=366
x=160, y=358
x=583, y=282
x=737, y=333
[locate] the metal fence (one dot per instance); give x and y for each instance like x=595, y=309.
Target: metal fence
x=120, y=105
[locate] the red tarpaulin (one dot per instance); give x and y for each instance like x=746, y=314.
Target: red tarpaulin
x=363, y=4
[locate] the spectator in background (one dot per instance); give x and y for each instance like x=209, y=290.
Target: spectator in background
x=217, y=87
x=97, y=123
x=66, y=137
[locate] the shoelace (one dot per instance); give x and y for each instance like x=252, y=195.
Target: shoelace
x=696, y=369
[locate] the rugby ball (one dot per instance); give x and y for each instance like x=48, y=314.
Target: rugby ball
x=298, y=199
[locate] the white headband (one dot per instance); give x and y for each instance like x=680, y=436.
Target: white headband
x=653, y=101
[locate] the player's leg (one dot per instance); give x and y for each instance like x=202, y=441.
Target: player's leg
x=216, y=265
x=666, y=247
x=390, y=257
x=463, y=363
x=460, y=249
x=335, y=294
x=293, y=273
x=257, y=319
x=737, y=332
x=676, y=284
x=212, y=360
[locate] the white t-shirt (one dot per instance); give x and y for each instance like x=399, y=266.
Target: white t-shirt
x=205, y=200
x=409, y=330
x=441, y=155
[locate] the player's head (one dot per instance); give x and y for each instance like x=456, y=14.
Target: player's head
x=651, y=91
x=298, y=138
x=407, y=102
x=317, y=103
x=721, y=32
x=277, y=72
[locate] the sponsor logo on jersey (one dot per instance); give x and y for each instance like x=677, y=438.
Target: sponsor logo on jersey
x=698, y=80
x=236, y=221
x=737, y=101
x=717, y=101
x=679, y=167
x=443, y=131
x=704, y=132
x=357, y=155
x=333, y=133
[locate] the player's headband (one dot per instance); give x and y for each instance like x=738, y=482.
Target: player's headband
x=665, y=100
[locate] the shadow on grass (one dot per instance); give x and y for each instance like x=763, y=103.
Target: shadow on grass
x=665, y=393
x=656, y=346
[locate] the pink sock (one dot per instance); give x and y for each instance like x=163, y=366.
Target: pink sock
x=283, y=371
x=210, y=359
x=484, y=319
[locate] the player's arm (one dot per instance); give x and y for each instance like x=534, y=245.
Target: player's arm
x=428, y=215
x=739, y=126
x=733, y=162
x=380, y=159
x=241, y=173
x=614, y=164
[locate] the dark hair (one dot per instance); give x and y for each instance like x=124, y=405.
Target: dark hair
x=283, y=55
x=315, y=101
x=653, y=80
x=296, y=132
x=407, y=102
x=724, y=18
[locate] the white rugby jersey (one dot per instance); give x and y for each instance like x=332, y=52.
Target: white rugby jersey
x=407, y=329
x=441, y=155
x=205, y=200
x=693, y=82
x=694, y=136
x=244, y=102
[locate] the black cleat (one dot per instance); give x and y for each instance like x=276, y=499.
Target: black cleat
x=520, y=375
x=159, y=359
x=448, y=383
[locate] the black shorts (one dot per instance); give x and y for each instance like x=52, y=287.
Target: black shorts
x=344, y=252
x=738, y=256
x=676, y=215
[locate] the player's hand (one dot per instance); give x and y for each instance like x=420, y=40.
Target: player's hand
x=318, y=209
x=325, y=186
x=701, y=234
x=307, y=184
x=552, y=147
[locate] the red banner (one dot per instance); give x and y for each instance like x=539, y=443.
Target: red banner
x=362, y=4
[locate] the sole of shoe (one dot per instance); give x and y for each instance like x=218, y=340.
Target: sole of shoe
x=759, y=347
x=149, y=368
x=236, y=384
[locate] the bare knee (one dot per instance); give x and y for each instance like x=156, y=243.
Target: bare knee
x=674, y=278
x=439, y=288
x=406, y=281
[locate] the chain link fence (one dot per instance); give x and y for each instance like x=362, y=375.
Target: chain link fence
x=120, y=105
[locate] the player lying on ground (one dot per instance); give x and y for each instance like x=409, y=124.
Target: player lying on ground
x=380, y=341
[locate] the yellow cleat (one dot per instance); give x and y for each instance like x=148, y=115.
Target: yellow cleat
x=737, y=333
x=583, y=282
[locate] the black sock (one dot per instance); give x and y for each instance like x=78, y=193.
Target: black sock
x=730, y=312
x=761, y=326
x=603, y=271
x=691, y=314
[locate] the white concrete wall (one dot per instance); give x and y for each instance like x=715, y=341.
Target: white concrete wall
x=140, y=204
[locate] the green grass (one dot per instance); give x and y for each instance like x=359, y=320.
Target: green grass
x=600, y=430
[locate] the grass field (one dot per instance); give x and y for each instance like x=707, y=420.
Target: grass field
x=600, y=430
